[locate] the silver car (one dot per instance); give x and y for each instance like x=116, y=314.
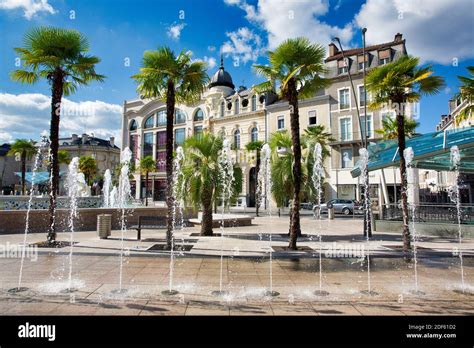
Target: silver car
x=341, y=206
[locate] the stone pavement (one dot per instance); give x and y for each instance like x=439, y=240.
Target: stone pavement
x=245, y=277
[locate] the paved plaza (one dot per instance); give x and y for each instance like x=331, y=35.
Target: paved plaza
x=245, y=274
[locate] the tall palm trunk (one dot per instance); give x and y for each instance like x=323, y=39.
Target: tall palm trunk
x=257, y=170
x=404, y=184
x=57, y=94
x=146, y=189
x=295, y=228
x=23, y=172
x=206, y=222
x=170, y=105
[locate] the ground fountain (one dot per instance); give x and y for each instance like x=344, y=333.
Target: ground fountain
x=226, y=174
x=456, y=198
x=364, y=162
x=123, y=198
x=38, y=158
x=409, y=154
x=265, y=189
x=72, y=184
x=106, y=189
x=177, y=214
x=318, y=175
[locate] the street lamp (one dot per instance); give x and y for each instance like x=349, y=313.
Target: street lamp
x=363, y=135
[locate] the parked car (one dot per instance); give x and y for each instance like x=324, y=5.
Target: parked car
x=341, y=206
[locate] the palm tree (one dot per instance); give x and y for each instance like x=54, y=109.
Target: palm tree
x=26, y=149
x=88, y=166
x=397, y=84
x=59, y=56
x=170, y=78
x=256, y=146
x=201, y=175
x=389, y=128
x=296, y=65
x=64, y=157
x=147, y=165
x=466, y=93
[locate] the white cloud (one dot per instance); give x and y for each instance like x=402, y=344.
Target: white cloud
x=210, y=61
x=30, y=7
x=174, y=31
x=283, y=19
x=244, y=45
x=436, y=30
x=24, y=115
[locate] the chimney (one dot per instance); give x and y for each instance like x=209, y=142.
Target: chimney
x=333, y=50
x=398, y=37
x=85, y=137
x=74, y=138
x=112, y=141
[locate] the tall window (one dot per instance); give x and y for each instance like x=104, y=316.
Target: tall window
x=366, y=120
x=361, y=96
x=198, y=115
x=254, y=134
x=179, y=136
x=179, y=117
x=345, y=126
x=344, y=99
x=254, y=102
x=312, y=120
x=161, y=140
x=161, y=115
x=346, y=158
x=133, y=125
x=281, y=122
x=150, y=122
x=237, y=139
x=236, y=107
x=148, y=144
x=222, y=109
x=198, y=131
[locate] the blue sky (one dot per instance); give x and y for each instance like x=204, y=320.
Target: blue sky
x=121, y=30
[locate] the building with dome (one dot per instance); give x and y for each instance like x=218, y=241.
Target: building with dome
x=242, y=115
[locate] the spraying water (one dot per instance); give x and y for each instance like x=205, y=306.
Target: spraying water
x=409, y=155
x=106, y=189
x=318, y=175
x=123, y=198
x=265, y=189
x=456, y=198
x=177, y=211
x=72, y=181
x=364, y=162
x=113, y=199
x=27, y=219
x=226, y=175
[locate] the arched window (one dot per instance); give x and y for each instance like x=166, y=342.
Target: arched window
x=179, y=117
x=198, y=115
x=161, y=118
x=237, y=139
x=133, y=125
x=254, y=134
x=236, y=106
x=254, y=102
x=150, y=122
x=222, y=109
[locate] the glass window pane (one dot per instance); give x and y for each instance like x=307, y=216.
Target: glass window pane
x=161, y=161
x=179, y=136
x=346, y=158
x=161, y=115
x=150, y=122
x=148, y=144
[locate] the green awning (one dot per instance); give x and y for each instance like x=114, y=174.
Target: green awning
x=431, y=151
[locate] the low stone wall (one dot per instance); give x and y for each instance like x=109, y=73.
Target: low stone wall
x=21, y=202
x=427, y=228
x=13, y=221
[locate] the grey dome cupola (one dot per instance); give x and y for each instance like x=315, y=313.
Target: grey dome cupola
x=221, y=78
